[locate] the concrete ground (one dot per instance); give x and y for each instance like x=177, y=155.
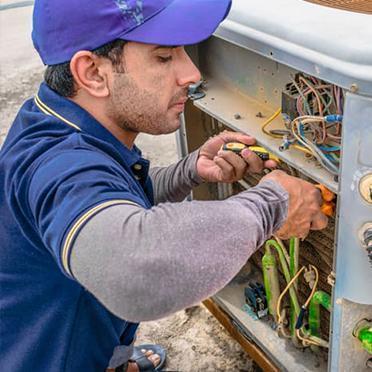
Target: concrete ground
x=194, y=339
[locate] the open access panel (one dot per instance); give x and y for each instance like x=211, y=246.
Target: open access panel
x=298, y=77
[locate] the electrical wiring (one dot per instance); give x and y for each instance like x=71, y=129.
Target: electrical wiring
x=278, y=305
x=316, y=131
x=311, y=87
x=311, y=340
x=313, y=290
x=280, y=316
x=298, y=132
x=291, y=273
x=268, y=121
x=301, y=95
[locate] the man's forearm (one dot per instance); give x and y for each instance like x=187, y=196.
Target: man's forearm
x=145, y=264
x=175, y=182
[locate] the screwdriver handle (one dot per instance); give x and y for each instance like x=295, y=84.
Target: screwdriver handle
x=328, y=206
x=261, y=152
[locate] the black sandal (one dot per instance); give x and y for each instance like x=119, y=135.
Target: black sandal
x=143, y=362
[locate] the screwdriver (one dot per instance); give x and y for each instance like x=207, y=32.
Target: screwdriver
x=261, y=152
x=328, y=206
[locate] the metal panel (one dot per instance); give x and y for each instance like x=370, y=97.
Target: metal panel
x=353, y=271
x=328, y=43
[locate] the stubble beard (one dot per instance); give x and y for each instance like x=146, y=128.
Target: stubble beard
x=136, y=110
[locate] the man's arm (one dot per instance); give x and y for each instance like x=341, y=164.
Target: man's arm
x=145, y=264
x=175, y=182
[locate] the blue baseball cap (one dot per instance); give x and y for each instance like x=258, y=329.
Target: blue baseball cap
x=63, y=27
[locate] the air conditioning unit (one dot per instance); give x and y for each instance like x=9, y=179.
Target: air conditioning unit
x=297, y=76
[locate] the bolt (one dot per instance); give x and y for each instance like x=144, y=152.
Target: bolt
x=354, y=88
x=237, y=116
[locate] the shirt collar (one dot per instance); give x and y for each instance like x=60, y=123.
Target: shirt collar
x=71, y=114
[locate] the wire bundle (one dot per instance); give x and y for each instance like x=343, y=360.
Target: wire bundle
x=316, y=130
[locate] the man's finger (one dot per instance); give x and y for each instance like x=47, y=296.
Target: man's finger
x=237, y=137
x=271, y=164
x=320, y=222
x=255, y=164
x=319, y=196
x=304, y=231
x=238, y=163
x=227, y=170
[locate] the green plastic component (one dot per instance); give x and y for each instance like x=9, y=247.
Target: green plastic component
x=365, y=337
x=293, y=268
x=320, y=298
x=287, y=275
x=271, y=281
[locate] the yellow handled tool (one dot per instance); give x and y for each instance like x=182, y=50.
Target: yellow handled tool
x=261, y=152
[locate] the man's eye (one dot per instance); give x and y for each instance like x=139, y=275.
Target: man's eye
x=164, y=59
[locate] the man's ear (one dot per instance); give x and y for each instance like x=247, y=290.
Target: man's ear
x=90, y=73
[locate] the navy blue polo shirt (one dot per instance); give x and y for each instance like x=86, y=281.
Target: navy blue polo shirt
x=58, y=168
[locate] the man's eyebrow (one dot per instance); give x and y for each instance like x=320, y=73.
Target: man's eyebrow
x=165, y=47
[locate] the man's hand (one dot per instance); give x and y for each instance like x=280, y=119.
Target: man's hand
x=215, y=165
x=304, y=212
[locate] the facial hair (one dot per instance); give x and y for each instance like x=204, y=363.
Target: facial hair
x=137, y=110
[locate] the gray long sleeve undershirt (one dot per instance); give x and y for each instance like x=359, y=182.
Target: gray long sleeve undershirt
x=174, y=183
x=145, y=264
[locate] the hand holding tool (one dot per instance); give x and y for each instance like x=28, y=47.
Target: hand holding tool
x=261, y=152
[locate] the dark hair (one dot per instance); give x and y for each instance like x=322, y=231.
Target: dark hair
x=59, y=77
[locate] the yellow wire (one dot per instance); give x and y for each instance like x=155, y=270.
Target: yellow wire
x=305, y=341
x=303, y=149
x=272, y=118
x=268, y=121
x=278, y=305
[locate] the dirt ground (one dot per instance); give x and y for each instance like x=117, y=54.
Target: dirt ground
x=194, y=339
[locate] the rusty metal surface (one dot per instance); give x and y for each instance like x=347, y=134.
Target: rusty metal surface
x=358, y=6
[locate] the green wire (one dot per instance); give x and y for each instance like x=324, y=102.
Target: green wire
x=287, y=275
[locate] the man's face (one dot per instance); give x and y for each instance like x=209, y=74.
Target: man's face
x=150, y=94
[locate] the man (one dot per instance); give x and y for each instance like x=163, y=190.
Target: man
x=88, y=238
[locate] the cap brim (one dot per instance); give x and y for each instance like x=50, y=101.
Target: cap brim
x=181, y=23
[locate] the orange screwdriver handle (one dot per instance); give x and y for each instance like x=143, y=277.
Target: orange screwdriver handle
x=327, y=195
x=328, y=207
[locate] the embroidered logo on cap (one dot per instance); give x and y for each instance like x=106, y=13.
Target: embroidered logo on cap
x=131, y=9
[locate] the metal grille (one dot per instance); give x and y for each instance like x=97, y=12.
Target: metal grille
x=358, y=6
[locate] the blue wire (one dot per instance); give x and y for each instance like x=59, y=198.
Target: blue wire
x=329, y=148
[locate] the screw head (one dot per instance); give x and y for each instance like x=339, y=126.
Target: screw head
x=354, y=88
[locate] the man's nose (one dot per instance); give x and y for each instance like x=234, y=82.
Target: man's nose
x=187, y=72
